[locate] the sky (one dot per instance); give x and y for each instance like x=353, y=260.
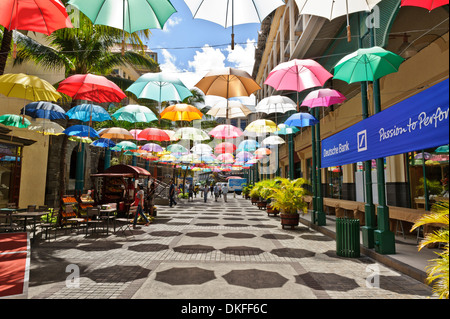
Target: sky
x=191, y=47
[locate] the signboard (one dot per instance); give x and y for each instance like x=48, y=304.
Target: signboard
x=417, y=123
x=235, y=184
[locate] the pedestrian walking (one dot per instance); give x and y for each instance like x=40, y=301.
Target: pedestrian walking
x=216, y=192
x=172, y=194
x=191, y=193
x=225, y=192
x=211, y=189
x=150, y=196
x=205, y=192
x=140, y=195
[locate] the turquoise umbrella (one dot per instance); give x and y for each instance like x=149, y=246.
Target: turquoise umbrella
x=14, y=120
x=88, y=113
x=286, y=130
x=125, y=146
x=135, y=113
x=177, y=148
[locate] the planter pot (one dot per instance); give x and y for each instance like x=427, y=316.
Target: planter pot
x=291, y=220
x=254, y=201
x=272, y=211
x=262, y=204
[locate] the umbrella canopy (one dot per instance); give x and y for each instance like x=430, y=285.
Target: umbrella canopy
x=46, y=126
x=43, y=16
x=276, y=104
x=225, y=147
x=154, y=134
x=152, y=147
x=181, y=112
x=323, y=97
x=44, y=110
x=135, y=113
x=135, y=133
x=126, y=146
x=248, y=146
x=244, y=156
x=127, y=15
x=91, y=87
x=230, y=13
x=226, y=158
x=301, y=120
x=191, y=133
x=189, y=158
x=224, y=131
x=297, y=75
x=14, y=120
x=27, y=87
x=207, y=158
x=104, y=142
x=177, y=148
x=262, y=126
x=263, y=151
x=168, y=158
x=286, y=130
x=116, y=133
x=441, y=149
x=81, y=131
x=367, y=65
x=159, y=87
x=234, y=109
x=334, y=9
x=201, y=149
x=273, y=140
x=88, y=113
x=86, y=140
x=171, y=134
x=426, y=4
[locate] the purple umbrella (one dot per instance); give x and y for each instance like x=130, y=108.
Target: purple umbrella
x=152, y=147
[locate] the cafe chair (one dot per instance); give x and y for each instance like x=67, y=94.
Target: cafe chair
x=124, y=223
x=69, y=218
x=92, y=219
x=50, y=222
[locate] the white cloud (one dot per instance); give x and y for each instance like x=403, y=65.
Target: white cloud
x=243, y=57
x=173, y=21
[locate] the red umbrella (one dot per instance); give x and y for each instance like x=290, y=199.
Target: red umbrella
x=427, y=4
x=225, y=147
x=43, y=16
x=154, y=134
x=91, y=87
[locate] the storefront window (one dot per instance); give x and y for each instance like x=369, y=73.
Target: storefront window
x=334, y=182
x=430, y=166
x=10, y=161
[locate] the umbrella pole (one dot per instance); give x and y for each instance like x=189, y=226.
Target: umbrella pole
x=232, y=25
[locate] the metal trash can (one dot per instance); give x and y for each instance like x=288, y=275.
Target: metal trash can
x=347, y=237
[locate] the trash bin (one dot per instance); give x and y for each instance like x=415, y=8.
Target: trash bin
x=347, y=237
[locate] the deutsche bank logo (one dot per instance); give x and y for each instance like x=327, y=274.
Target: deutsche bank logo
x=362, y=141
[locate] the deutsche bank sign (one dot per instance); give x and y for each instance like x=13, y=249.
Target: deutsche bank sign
x=419, y=122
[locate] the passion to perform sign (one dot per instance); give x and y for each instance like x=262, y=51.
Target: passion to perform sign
x=417, y=123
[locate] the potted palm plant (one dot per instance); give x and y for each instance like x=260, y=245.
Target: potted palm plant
x=255, y=193
x=288, y=199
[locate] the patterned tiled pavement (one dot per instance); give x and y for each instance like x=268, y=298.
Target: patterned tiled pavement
x=215, y=250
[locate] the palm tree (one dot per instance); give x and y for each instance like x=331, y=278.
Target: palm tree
x=5, y=48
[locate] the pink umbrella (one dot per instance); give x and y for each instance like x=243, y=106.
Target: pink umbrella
x=226, y=131
x=135, y=134
x=225, y=147
x=226, y=158
x=323, y=97
x=297, y=75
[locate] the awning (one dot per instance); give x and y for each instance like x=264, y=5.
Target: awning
x=135, y=170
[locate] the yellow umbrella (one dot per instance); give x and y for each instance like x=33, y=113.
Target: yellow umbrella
x=181, y=112
x=27, y=87
x=163, y=153
x=262, y=126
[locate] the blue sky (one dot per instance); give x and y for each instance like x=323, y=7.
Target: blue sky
x=191, y=47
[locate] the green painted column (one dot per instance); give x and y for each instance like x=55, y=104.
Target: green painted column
x=79, y=172
x=314, y=176
x=320, y=214
x=291, y=156
x=134, y=161
x=107, y=158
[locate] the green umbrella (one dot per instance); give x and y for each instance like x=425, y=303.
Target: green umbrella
x=125, y=146
x=135, y=113
x=177, y=148
x=14, y=120
x=286, y=130
x=442, y=149
x=367, y=65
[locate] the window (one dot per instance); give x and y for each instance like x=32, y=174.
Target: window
x=10, y=168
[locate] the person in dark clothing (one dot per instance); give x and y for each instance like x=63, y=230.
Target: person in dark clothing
x=150, y=196
x=172, y=194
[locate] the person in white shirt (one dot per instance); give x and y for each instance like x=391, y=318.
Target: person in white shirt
x=225, y=192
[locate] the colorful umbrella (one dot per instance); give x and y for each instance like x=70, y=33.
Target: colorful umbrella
x=14, y=120
x=135, y=133
x=262, y=126
x=127, y=15
x=154, y=134
x=116, y=133
x=91, y=87
x=86, y=140
x=367, y=65
x=441, y=149
x=171, y=134
x=334, y=9
x=135, y=113
x=230, y=13
x=234, y=109
x=181, y=112
x=248, y=146
x=426, y=4
x=263, y=151
x=286, y=130
x=276, y=104
x=104, y=142
x=88, y=113
x=125, y=146
x=301, y=120
x=189, y=158
x=225, y=147
x=226, y=158
x=297, y=75
x=177, y=148
x=244, y=156
x=323, y=97
x=152, y=147
x=81, y=131
x=44, y=110
x=168, y=158
x=191, y=133
x=43, y=16
x=225, y=131
x=46, y=126
x=27, y=87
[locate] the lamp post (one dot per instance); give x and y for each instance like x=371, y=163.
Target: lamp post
x=320, y=214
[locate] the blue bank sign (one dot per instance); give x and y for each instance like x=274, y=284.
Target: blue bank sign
x=416, y=123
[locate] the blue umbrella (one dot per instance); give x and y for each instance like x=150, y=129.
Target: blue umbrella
x=248, y=146
x=44, y=110
x=83, y=112
x=301, y=120
x=81, y=131
x=104, y=142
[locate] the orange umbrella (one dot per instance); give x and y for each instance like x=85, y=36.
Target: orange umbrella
x=181, y=112
x=116, y=133
x=263, y=151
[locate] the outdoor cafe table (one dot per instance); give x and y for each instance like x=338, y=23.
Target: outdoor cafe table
x=6, y=213
x=34, y=216
x=107, y=214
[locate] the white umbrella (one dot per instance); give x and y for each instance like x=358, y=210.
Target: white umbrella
x=331, y=9
x=273, y=140
x=46, y=127
x=235, y=109
x=190, y=133
x=230, y=13
x=276, y=104
x=202, y=149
